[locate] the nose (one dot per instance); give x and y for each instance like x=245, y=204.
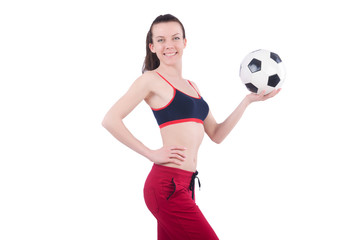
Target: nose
x=169, y=44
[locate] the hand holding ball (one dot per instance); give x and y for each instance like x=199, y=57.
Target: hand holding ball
x=262, y=70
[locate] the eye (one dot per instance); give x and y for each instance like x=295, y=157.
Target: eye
x=160, y=40
x=177, y=38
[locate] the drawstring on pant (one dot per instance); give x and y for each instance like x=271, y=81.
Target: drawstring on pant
x=191, y=187
x=192, y=183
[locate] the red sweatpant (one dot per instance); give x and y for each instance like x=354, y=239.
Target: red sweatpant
x=169, y=198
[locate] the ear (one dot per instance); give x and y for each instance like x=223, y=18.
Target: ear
x=151, y=48
x=185, y=42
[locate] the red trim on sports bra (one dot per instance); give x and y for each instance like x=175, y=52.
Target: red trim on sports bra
x=199, y=97
x=165, y=79
x=194, y=88
x=174, y=94
x=181, y=121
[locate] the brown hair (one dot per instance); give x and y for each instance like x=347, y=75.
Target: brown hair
x=151, y=60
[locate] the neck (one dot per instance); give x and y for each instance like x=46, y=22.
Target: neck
x=171, y=71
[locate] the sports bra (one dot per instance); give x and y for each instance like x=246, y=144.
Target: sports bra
x=181, y=108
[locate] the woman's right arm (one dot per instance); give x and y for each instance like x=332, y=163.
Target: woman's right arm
x=113, y=122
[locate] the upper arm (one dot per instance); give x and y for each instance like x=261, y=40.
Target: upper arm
x=210, y=126
x=137, y=92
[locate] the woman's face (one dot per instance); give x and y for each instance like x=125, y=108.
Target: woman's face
x=168, y=42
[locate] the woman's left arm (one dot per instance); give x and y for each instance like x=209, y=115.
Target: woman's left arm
x=218, y=131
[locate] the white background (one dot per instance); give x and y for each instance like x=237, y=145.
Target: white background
x=291, y=169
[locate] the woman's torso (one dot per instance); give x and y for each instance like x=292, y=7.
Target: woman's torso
x=188, y=134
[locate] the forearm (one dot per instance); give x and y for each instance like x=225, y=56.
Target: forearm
x=223, y=129
x=117, y=128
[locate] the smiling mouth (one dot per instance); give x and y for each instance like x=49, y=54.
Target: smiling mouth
x=170, y=54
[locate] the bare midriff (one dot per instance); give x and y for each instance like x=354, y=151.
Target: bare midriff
x=188, y=135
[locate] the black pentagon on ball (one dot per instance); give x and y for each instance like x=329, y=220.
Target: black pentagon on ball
x=273, y=80
x=275, y=57
x=254, y=65
x=251, y=87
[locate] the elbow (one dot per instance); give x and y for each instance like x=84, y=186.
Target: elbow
x=106, y=122
x=217, y=140
x=215, y=135
x=110, y=122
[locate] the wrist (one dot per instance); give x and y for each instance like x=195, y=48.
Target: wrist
x=148, y=154
x=246, y=101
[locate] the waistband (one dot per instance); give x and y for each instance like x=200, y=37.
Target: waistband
x=179, y=175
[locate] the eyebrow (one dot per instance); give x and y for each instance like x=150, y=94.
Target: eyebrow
x=172, y=35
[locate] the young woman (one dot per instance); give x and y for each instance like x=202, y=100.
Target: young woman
x=183, y=117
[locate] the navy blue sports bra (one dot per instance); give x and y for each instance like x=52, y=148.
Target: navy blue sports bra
x=181, y=108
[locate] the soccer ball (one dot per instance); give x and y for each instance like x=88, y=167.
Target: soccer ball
x=262, y=70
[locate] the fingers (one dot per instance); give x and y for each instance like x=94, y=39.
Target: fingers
x=177, y=155
x=177, y=148
x=169, y=154
x=273, y=93
x=254, y=97
x=262, y=96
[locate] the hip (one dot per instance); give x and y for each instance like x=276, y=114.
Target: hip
x=168, y=188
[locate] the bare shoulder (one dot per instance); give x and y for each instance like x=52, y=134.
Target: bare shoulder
x=144, y=79
x=194, y=85
x=147, y=80
x=141, y=88
x=137, y=92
